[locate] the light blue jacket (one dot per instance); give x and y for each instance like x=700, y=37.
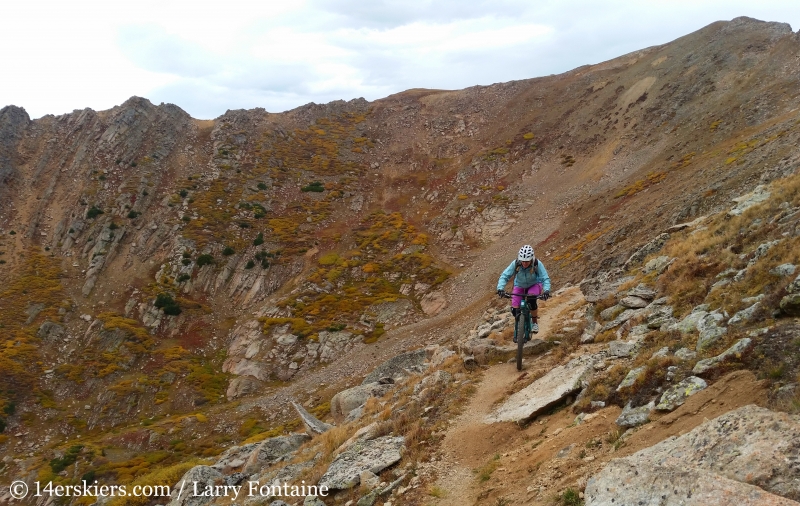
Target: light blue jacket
x=525, y=278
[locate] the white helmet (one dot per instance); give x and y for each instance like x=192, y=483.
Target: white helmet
x=525, y=253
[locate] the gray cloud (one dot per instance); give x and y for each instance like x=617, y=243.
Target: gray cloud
x=334, y=49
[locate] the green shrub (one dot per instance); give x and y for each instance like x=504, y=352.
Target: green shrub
x=316, y=186
x=69, y=458
x=133, y=214
x=93, y=213
x=113, y=226
x=183, y=193
x=205, y=260
x=165, y=302
x=228, y=251
x=250, y=264
x=570, y=497
x=172, y=310
x=184, y=277
x=262, y=186
x=259, y=240
x=186, y=261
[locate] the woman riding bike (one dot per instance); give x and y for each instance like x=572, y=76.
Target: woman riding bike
x=530, y=278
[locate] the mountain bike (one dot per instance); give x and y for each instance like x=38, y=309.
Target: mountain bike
x=523, y=335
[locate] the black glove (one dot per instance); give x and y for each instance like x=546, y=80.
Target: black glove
x=501, y=292
x=546, y=295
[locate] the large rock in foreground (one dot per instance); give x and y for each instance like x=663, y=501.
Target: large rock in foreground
x=756, y=447
x=623, y=483
x=374, y=455
x=544, y=392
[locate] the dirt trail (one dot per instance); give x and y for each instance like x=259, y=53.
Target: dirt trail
x=465, y=445
x=535, y=463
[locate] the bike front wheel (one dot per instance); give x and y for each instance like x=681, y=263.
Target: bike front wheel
x=522, y=334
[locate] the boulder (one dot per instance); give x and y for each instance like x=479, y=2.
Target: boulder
x=794, y=286
x=676, y=395
x=750, y=445
x=368, y=479
x=622, y=318
x=201, y=477
x=710, y=331
x=242, y=385
x=631, y=377
x=783, y=270
x=312, y=423
x=437, y=378
x=686, y=354
x=612, y=312
x=761, y=250
x=373, y=455
x=622, y=482
x=312, y=500
x=689, y=323
x=790, y=304
x=643, y=292
x=333, y=345
x=399, y=366
x=646, y=250
x=347, y=400
x=733, y=352
x=744, y=315
x=748, y=200
x=602, y=285
x=234, y=455
x=272, y=450
x=633, y=417
x=432, y=303
x=548, y=390
x=439, y=355
x=657, y=264
x=633, y=302
x=50, y=331
x=362, y=434
x=621, y=348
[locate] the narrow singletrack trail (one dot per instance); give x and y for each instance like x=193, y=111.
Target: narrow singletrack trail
x=468, y=443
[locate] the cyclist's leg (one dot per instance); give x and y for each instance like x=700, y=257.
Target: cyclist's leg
x=516, y=297
x=536, y=289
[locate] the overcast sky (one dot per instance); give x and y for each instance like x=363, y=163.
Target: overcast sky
x=208, y=57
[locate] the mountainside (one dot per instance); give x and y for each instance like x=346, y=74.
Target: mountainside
x=169, y=284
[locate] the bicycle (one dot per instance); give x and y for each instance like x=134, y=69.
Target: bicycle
x=527, y=323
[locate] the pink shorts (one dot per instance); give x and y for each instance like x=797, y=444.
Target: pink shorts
x=517, y=292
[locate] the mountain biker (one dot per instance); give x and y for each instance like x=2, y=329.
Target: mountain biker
x=530, y=278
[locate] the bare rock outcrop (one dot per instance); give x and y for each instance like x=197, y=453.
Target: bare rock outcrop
x=746, y=456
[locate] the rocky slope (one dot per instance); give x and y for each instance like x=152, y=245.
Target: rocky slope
x=169, y=284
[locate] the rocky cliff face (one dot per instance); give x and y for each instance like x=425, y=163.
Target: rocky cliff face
x=153, y=263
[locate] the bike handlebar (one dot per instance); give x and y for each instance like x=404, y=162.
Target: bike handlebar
x=507, y=295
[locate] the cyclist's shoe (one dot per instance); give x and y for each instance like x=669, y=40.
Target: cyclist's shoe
x=515, y=339
x=535, y=328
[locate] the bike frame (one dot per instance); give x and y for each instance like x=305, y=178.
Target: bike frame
x=527, y=324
